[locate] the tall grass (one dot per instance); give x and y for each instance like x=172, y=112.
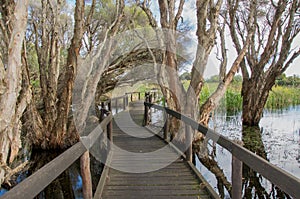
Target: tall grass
x=234, y=101
x=281, y=97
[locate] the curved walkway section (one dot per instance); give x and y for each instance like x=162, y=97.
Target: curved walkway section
x=145, y=166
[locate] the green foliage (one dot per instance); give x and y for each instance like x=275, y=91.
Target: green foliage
x=214, y=78
x=204, y=95
x=237, y=79
x=35, y=83
x=185, y=76
x=282, y=97
x=32, y=58
x=234, y=101
x=283, y=80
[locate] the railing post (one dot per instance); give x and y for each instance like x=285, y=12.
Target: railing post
x=124, y=102
x=150, y=98
x=194, y=158
x=139, y=95
x=146, y=119
x=131, y=98
x=236, y=176
x=86, y=175
x=116, y=105
x=102, y=112
x=109, y=131
x=109, y=105
x=166, y=126
x=189, y=140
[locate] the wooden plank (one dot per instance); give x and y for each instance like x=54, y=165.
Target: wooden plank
x=164, y=192
x=236, y=178
x=157, y=197
x=160, y=187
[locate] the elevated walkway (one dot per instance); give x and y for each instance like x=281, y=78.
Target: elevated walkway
x=145, y=166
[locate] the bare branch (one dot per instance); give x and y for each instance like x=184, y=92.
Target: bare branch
x=290, y=61
x=149, y=14
x=179, y=12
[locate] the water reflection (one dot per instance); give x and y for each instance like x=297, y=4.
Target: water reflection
x=254, y=185
x=276, y=140
x=61, y=187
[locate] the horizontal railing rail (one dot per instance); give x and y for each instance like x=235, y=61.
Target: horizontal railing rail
x=38, y=181
x=284, y=180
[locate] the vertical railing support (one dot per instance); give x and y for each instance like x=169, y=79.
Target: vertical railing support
x=116, y=105
x=139, y=95
x=194, y=158
x=102, y=112
x=86, y=176
x=109, y=132
x=146, y=110
x=109, y=105
x=189, y=140
x=166, y=126
x=109, y=129
x=236, y=176
x=124, y=102
x=131, y=98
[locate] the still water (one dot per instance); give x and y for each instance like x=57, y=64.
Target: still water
x=280, y=142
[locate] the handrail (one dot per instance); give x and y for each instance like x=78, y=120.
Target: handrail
x=125, y=99
x=38, y=181
x=284, y=180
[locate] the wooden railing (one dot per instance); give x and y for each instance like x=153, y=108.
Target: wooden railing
x=38, y=181
x=284, y=180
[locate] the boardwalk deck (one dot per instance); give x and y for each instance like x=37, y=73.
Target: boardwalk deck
x=144, y=166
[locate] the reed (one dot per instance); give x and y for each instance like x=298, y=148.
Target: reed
x=282, y=97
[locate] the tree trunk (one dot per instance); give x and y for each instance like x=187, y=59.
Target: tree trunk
x=66, y=82
x=255, y=95
x=11, y=107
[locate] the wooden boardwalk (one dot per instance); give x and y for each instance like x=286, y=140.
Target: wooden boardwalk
x=142, y=165
x=145, y=166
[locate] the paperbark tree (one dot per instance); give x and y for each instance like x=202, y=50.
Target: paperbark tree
x=270, y=52
x=89, y=77
x=13, y=99
x=49, y=122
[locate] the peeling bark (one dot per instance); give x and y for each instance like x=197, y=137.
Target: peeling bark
x=10, y=109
